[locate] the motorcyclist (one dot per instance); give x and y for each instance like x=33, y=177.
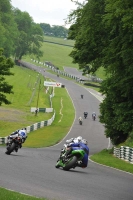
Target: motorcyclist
x=80, y=119
x=21, y=133
x=71, y=141
x=80, y=145
x=85, y=114
x=74, y=140
x=93, y=115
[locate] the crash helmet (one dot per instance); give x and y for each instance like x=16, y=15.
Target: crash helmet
x=79, y=138
x=84, y=141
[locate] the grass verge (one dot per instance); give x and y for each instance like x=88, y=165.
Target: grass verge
x=64, y=118
x=107, y=158
x=11, y=195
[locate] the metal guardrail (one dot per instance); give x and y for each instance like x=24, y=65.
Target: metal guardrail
x=56, y=69
x=124, y=153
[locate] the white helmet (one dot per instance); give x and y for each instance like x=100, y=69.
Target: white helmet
x=79, y=138
x=84, y=141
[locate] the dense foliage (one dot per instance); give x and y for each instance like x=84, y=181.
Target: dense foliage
x=103, y=35
x=30, y=35
x=19, y=34
x=5, y=65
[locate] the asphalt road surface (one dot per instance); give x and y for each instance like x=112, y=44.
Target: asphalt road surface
x=32, y=171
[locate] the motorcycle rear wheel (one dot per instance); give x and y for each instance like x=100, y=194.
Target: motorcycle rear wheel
x=70, y=163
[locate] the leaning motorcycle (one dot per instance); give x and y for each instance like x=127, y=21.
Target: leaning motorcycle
x=13, y=144
x=66, y=162
x=94, y=118
x=80, y=122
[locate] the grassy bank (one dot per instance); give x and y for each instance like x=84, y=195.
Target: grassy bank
x=107, y=158
x=18, y=114
x=10, y=195
x=26, y=88
x=51, y=135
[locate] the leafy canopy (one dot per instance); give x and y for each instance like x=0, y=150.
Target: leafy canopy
x=103, y=35
x=5, y=65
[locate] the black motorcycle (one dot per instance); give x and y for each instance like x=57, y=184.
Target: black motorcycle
x=94, y=118
x=80, y=122
x=85, y=114
x=13, y=144
x=82, y=96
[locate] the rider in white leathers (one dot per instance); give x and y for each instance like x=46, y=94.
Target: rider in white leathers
x=21, y=133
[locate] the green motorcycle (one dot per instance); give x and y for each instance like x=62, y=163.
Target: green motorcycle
x=72, y=160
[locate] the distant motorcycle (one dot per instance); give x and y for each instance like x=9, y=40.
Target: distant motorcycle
x=80, y=122
x=94, y=118
x=85, y=114
x=66, y=162
x=13, y=144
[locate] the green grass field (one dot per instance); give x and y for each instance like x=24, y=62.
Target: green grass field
x=11, y=195
x=61, y=41
x=59, y=54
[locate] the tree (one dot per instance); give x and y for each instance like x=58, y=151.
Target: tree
x=57, y=31
x=117, y=108
x=8, y=28
x=103, y=36
x=85, y=30
x=30, y=37
x=5, y=65
x=46, y=28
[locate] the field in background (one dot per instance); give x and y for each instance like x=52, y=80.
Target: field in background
x=62, y=41
x=59, y=54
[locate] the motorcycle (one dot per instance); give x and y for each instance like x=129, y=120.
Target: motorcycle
x=66, y=162
x=85, y=115
x=94, y=118
x=80, y=122
x=13, y=144
x=82, y=96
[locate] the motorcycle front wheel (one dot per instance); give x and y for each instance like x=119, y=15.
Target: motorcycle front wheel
x=70, y=163
x=10, y=148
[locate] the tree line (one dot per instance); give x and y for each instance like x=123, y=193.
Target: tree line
x=55, y=30
x=19, y=36
x=103, y=34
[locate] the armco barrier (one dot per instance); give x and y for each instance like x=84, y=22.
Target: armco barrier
x=124, y=153
x=33, y=127
x=2, y=140
x=55, y=69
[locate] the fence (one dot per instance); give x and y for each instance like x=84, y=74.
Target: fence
x=124, y=153
x=56, y=69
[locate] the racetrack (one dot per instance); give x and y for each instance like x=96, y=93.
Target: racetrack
x=32, y=171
